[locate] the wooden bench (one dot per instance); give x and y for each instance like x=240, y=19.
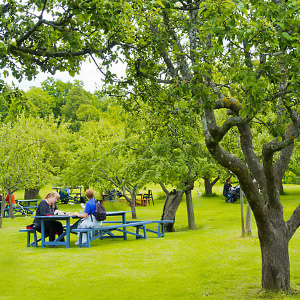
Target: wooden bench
x=35, y=239
x=98, y=233
x=161, y=227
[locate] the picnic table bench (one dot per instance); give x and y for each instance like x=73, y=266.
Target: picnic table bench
x=109, y=230
x=30, y=231
x=58, y=241
x=98, y=233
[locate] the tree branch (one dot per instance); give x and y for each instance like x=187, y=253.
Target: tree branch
x=164, y=188
x=294, y=222
x=250, y=156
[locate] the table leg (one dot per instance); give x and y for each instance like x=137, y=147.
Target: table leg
x=68, y=230
x=43, y=233
x=124, y=228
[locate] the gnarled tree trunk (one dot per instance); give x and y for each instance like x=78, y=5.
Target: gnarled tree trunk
x=209, y=185
x=172, y=202
x=130, y=200
x=189, y=204
x=274, y=233
x=31, y=193
x=275, y=260
x=132, y=204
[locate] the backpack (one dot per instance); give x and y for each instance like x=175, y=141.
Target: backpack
x=100, y=212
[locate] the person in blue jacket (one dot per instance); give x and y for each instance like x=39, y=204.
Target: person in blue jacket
x=88, y=218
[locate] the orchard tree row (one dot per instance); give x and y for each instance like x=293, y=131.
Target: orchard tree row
x=107, y=149
x=66, y=101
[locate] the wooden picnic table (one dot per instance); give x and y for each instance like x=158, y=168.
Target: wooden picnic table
x=59, y=240
x=140, y=200
x=27, y=206
x=68, y=229
x=106, y=231
x=71, y=196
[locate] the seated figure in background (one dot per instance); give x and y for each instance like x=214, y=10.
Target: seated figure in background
x=13, y=200
x=64, y=195
x=226, y=189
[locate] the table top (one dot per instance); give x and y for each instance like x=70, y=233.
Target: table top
x=116, y=213
x=65, y=217
x=57, y=217
x=28, y=200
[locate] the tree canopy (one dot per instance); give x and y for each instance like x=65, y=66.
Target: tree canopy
x=237, y=57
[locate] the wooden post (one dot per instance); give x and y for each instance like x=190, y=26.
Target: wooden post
x=242, y=212
x=248, y=219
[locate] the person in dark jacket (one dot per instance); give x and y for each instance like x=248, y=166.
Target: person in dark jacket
x=226, y=189
x=48, y=207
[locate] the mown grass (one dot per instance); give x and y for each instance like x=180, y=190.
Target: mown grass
x=213, y=262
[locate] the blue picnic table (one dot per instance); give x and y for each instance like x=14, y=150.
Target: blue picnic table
x=108, y=230
x=27, y=206
x=24, y=207
x=68, y=228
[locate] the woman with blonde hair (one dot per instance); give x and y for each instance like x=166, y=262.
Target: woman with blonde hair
x=48, y=207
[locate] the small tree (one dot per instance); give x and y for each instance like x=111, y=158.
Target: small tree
x=27, y=153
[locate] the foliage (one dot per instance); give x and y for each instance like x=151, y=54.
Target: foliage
x=94, y=153
x=77, y=103
x=87, y=112
x=29, y=153
x=58, y=90
x=14, y=102
x=22, y=156
x=43, y=102
x=48, y=36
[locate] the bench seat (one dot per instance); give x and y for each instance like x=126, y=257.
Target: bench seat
x=98, y=233
x=35, y=239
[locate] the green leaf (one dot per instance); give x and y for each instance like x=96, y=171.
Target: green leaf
x=72, y=73
x=127, y=6
x=130, y=40
x=160, y=3
x=5, y=73
x=286, y=36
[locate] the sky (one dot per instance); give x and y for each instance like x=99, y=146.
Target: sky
x=89, y=75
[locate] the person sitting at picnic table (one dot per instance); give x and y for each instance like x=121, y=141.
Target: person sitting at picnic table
x=64, y=195
x=88, y=218
x=13, y=200
x=48, y=207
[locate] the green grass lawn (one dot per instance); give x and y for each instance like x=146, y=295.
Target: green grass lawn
x=213, y=262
